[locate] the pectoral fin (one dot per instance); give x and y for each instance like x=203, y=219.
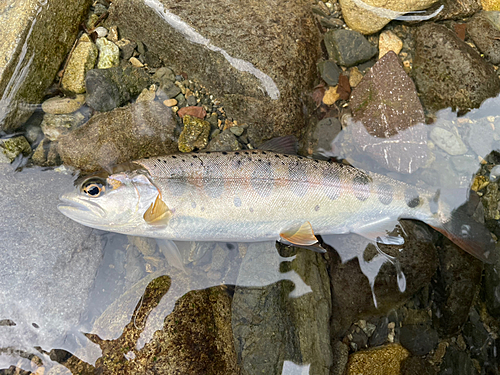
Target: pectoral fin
x=158, y=213
x=300, y=236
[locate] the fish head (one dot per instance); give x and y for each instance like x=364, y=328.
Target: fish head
x=115, y=203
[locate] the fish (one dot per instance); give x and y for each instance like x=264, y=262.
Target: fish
x=261, y=195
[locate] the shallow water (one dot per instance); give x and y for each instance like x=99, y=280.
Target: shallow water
x=80, y=300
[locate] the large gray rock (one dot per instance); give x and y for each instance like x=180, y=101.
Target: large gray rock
x=48, y=264
x=35, y=39
x=257, y=58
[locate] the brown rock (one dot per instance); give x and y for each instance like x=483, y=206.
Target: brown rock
x=35, y=40
x=192, y=111
x=116, y=137
x=257, y=59
x=386, y=360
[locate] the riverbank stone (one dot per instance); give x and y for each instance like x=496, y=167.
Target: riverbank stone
x=348, y=47
x=241, y=58
x=62, y=106
x=82, y=59
x=32, y=55
x=117, y=137
x=450, y=73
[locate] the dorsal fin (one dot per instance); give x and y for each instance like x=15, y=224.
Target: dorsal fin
x=281, y=145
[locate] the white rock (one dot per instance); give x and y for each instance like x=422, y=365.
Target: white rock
x=448, y=141
x=101, y=31
x=109, y=53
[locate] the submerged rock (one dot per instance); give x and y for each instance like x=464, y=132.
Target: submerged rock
x=54, y=126
x=109, y=53
x=12, y=147
x=450, y=73
x=486, y=36
x=244, y=61
x=225, y=141
x=117, y=137
x=80, y=62
x=348, y=47
x=62, y=106
x=194, y=135
x=32, y=55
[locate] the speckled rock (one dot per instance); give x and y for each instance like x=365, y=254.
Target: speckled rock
x=32, y=55
x=109, y=53
x=147, y=94
x=81, y=61
x=12, y=147
x=61, y=106
x=225, y=141
x=388, y=41
x=117, y=137
x=318, y=137
x=54, y=126
x=486, y=36
x=194, y=135
x=348, y=47
x=490, y=5
x=449, y=73
x=110, y=88
x=384, y=360
x=446, y=140
x=249, y=67
x=371, y=16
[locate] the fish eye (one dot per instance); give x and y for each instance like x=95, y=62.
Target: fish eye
x=93, y=188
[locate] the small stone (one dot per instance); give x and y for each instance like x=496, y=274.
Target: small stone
x=223, y=141
x=54, y=126
x=388, y=41
x=355, y=77
x=419, y=339
x=81, y=60
x=141, y=48
x=379, y=361
x=46, y=154
x=147, y=94
x=152, y=59
x=448, y=141
x=171, y=90
x=495, y=173
x=127, y=48
x=237, y=130
x=191, y=100
x=33, y=133
x=113, y=34
x=331, y=96
x=348, y=47
x=12, y=147
x=109, y=53
x=164, y=76
x=330, y=72
x=490, y=4
x=170, y=102
x=136, y=62
x=192, y=111
x=101, y=31
x=60, y=106
x=331, y=23
x=194, y=135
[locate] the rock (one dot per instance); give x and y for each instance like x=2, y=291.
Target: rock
x=486, y=36
x=169, y=90
x=418, y=339
x=194, y=135
x=101, y=31
x=469, y=79
x=372, y=15
x=457, y=362
x=225, y=141
x=46, y=154
x=457, y=281
x=417, y=366
x=191, y=100
x=385, y=360
x=251, y=69
x=194, y=111
x=477, y=337
x=152, y=60
x=117, y=137
x=355, y=77
x=147, y=94
x=446, y=140
x=348, y=47
x=54, y=126
x=452, y=10
x=110, y=88
x=330, y=72
x=61, y=106
x=164, y=76
x=12, y=147
x=341, y=355
x=127, y=48
x=113, y=34
x=319, y=136
x=109, y=53
x=170, y=102
x=490, y=5
x=350, y=277
x=237, y=130
x=31, y=56
x=80, y=62
x=491, y=288
x=331, y=96
x=136, y=62
x=47, y=304
x=388, y=41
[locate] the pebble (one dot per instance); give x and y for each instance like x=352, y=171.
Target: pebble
x=127, y=47
x=147, y=94
x=12, y=147
x=194, y=135
x=330, y=72
x=388, y=41
x=237, y=130
x=170, y=102
x=384, y=360
x=101, y=31
x=113, y=34
x=191, y=100
x=348, y=47
x=224, y=141
x=331, y=96
x=109, y=53
x=81, y=60
x=355, y=76
x=61, y=106
x=490, y=5
x=164, y=76
x=136, y=62
x=448, y=141
x=54, y=126
x=495, y=173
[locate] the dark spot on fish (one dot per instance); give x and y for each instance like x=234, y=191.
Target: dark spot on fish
x=316, y=208
x=35, y=325
x=237, y=153
x=246, y=153
x=297, y=172
x=183, y=160
x=207, y=152
x=316, y=160
x=174, y=157
x=253, y=152
x=285, y=155
x=331, y=182
x=361, y=187
x=276, y=156
x=251, y=209
x=203, y=208
x=158, y=160
x=193, y=204
x=264, y=153
x=164, y=162
x=195, y=156
x=213, y=181
x=412, y=198
x=224, y=153
x=385, y=193
x=262, y=179
x=260, y=160
x=237, y=202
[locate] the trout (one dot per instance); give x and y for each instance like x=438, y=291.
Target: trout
x=260, y=195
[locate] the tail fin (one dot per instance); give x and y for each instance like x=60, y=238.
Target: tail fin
x=469, y=235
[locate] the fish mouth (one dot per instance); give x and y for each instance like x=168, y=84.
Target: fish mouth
x=72, y=207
